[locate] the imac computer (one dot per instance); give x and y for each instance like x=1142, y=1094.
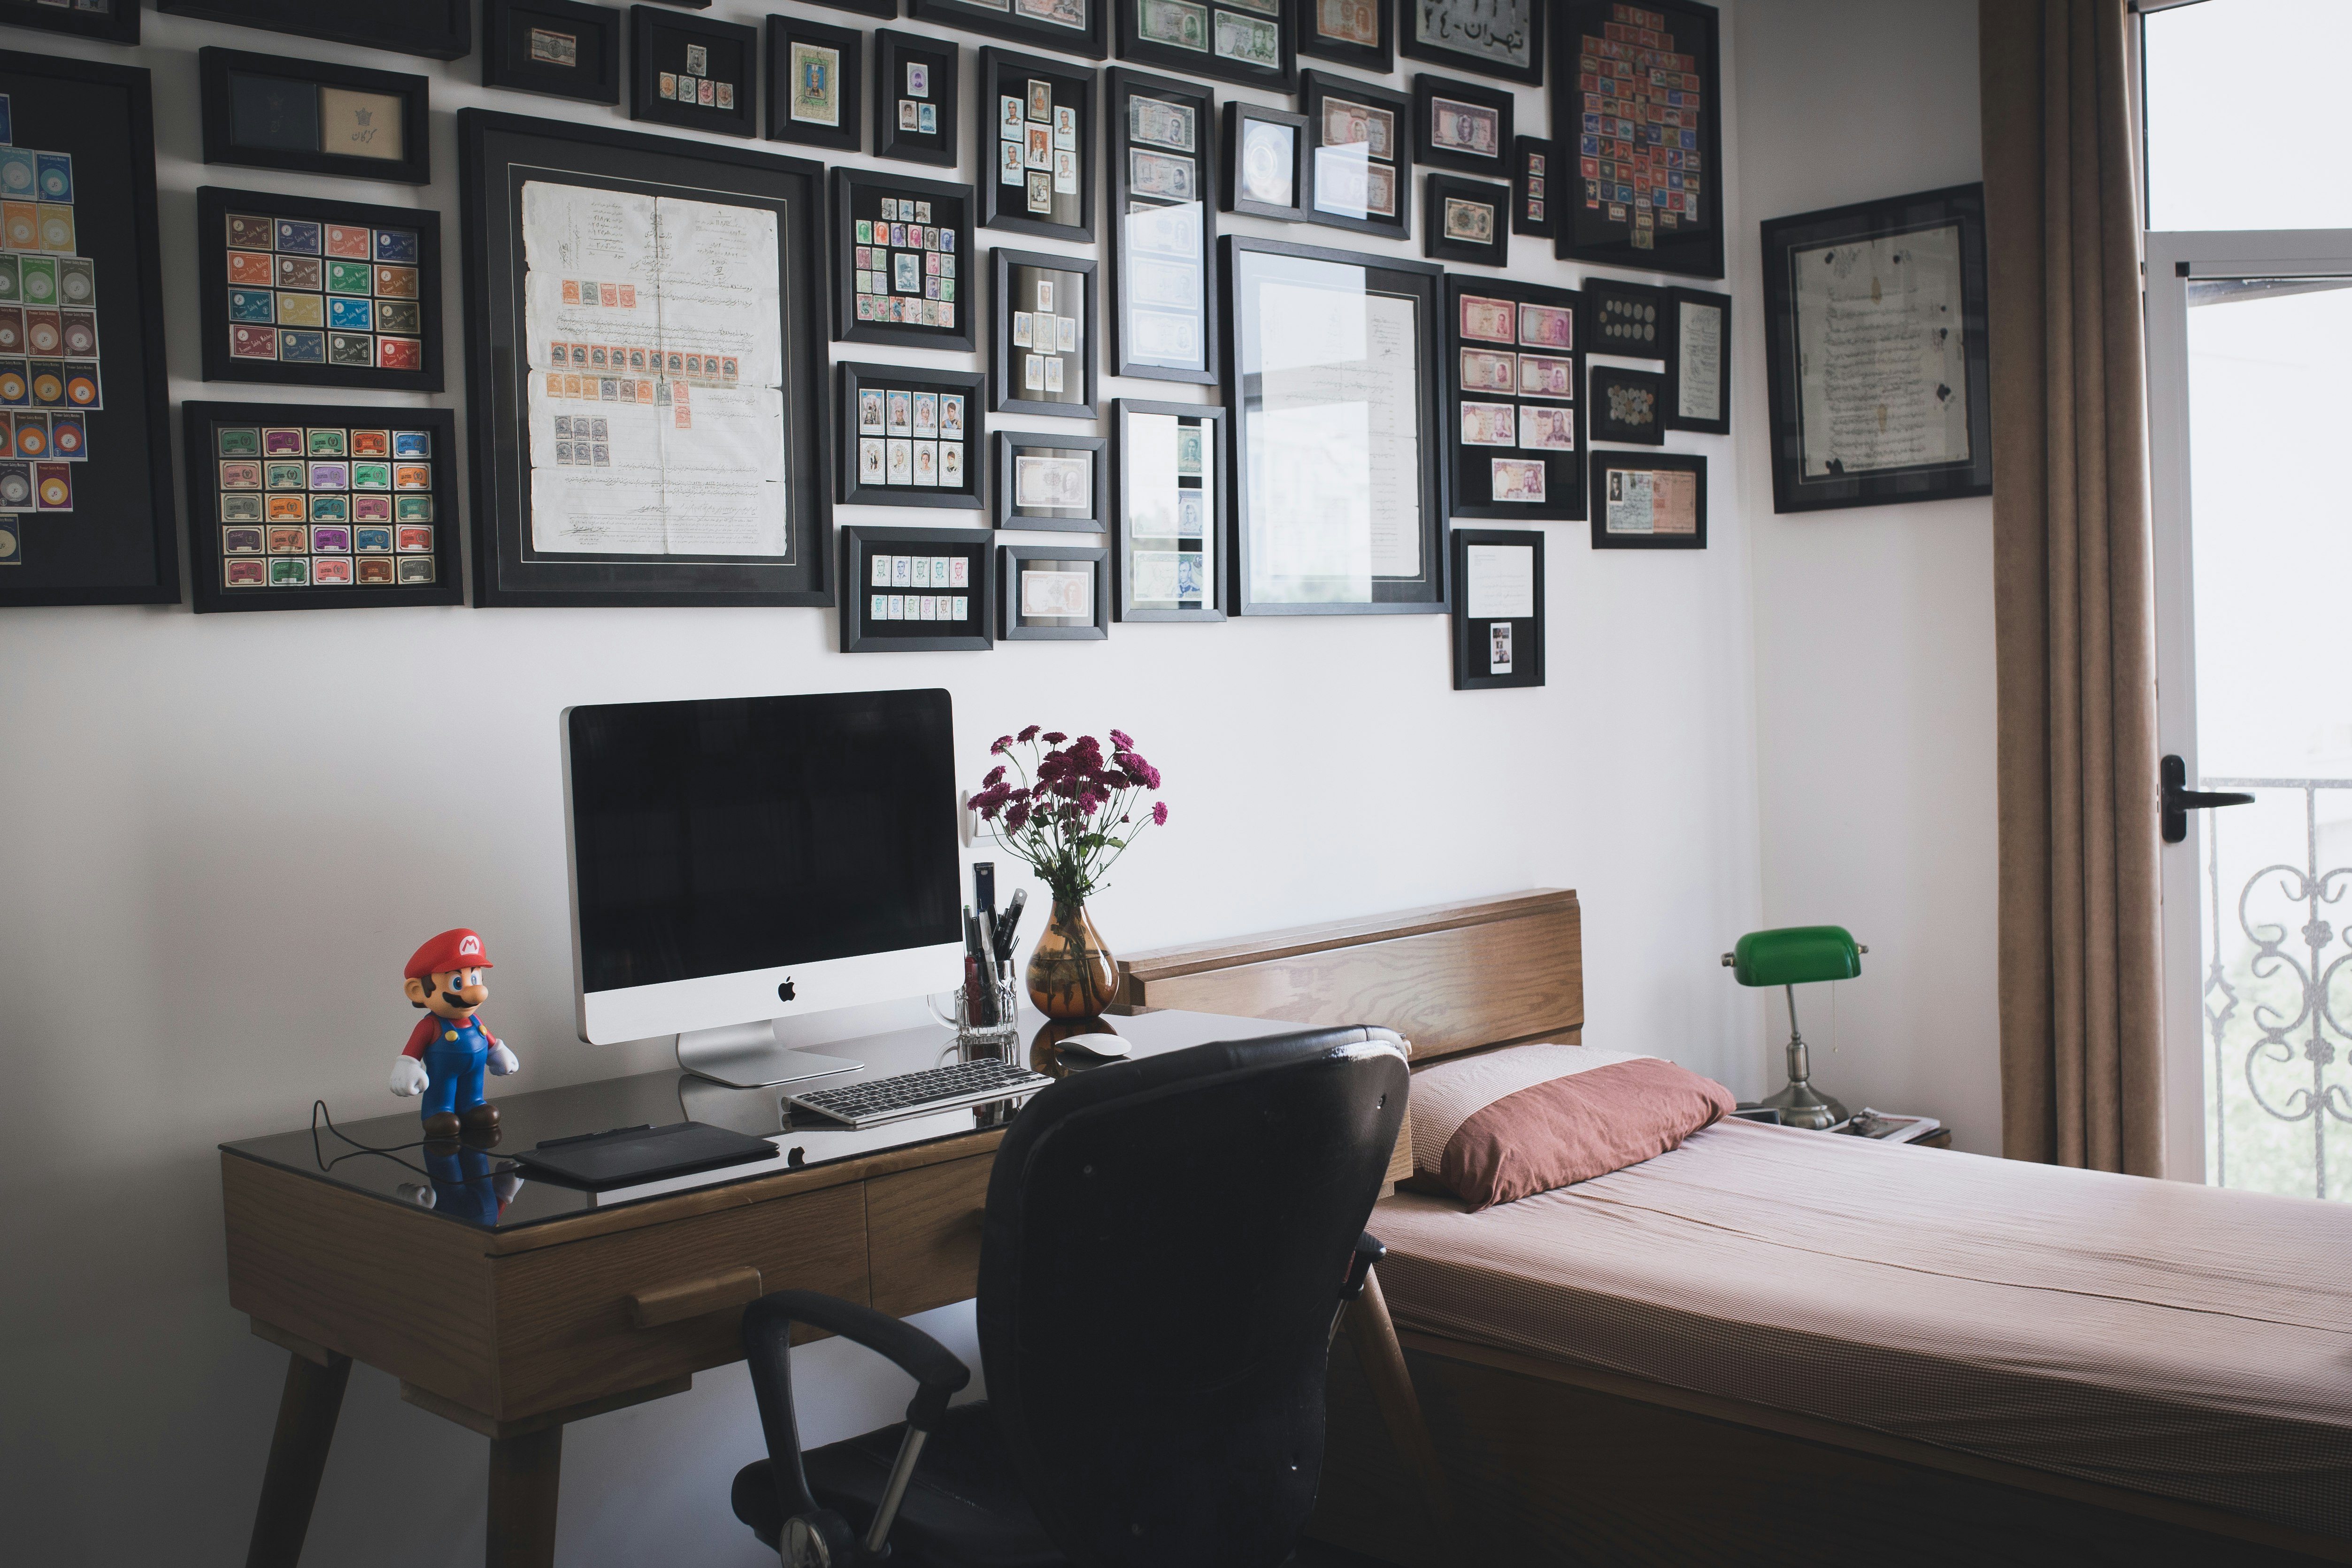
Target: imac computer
x=752, y=874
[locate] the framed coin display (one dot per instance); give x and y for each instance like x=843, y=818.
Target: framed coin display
x=1359, y=168
x=561, y=48
x=318, y=292
x=1515, y=433
x=273, y=113
x=1042, y=347
x=1056, y=484
x=1036, y=121
x=917, y=590
x=1163, y=296
x=1629, y=320
x=437, y=29
x=1498, y=608
x=814, y=73
x=915, y=98
x=696, y=74
x=909, y=436
x=1637, y=94
x=1072, y=26
x=1531, y=175
x=1052, y=593
x=1173, y=462
x=1494, y=37
x=1462, y=125
x=1241, y=41
x=1626, y=406
x=902, y=260
x=1359, y=32
x=1266, y=162
x=1465, y=220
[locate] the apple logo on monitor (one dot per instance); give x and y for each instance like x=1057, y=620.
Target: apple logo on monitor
x=784, y=992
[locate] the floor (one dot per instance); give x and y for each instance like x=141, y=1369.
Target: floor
x=1317, y=1554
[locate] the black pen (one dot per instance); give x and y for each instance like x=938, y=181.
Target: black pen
x=1009, y=924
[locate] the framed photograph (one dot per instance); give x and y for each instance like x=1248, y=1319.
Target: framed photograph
x=1072, y=26
x=1036, y=121
x=1637, y=92
x=1055, y=484
x=321, y=507
x=1515, y=430
x=269, y=113
x=1498, y=608
x=1163, y=152
x=1331, y=370
x=1699, y=361
x=1462, y=125
x=647, y=415
x=917, y=590
x=1531, y=186
x=1649, y=501
x=1465, y=220
x=1052, y=593
x=561, y=48
x=1173, y=462
x=86, y=512
x=1632, y=321
x=1359, y=32
x=1874, y=349
x=915, y=98
x=1626, y=406
x=1494, y=37
x=1241, y=41
x=437, y=29
x=901, y=259
x=1360, y=170
x=693, y=73
x=319, y=291
x=909, y=436
x=1266, y=162
x=116, y=21
x=814, y=71
x=1041, y=348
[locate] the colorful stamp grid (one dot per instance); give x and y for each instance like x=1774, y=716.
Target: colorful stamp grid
x=1638, y=151
x=622, y=372
x=1517, y=395
x=304, y=291
x=910, y=437
x=905, y=265
x=49, y=338
x=920, y=588
x=694, y=84
x=324, y=506
x=1037, y=148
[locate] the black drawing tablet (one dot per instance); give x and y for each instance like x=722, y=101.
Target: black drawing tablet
x=624, y=1158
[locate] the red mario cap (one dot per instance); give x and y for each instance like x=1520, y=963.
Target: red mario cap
x=458, y=949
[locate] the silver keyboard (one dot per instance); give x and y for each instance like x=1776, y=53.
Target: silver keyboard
x=876, y=1101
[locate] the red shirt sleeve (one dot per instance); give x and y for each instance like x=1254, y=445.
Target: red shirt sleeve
x=422, y=1034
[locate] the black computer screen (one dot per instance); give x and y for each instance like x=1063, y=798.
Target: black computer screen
x=749, y=833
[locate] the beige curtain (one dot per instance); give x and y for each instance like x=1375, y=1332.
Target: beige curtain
x=2081, y=1043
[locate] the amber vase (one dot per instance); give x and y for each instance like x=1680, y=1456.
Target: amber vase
x=1071, y=974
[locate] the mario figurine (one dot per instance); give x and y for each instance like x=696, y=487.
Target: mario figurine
x=444, y=1058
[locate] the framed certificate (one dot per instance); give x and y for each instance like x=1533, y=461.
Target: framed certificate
x=1498, y=608
x=1514, y=436
x=1699, y=361
x=909, y=436
x=1173, y=462
x=1035, y=127
x=1163, y=153
x=1637, y=102
x=1052, y=593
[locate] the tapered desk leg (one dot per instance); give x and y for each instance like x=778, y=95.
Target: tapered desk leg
x=525, y=1474
x=298, y=1458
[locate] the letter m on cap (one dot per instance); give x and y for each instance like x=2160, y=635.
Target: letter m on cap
x=469, y=946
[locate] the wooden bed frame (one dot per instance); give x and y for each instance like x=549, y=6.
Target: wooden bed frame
x=1511, y=1459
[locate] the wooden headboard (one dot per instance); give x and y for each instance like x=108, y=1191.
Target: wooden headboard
x=1449, y=978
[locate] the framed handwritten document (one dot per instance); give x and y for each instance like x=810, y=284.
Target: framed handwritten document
x=1498, y=608
x=1699, y=361
x=1874, y=346
x=644, y=363
x=1637, y=121
x=1331, y=377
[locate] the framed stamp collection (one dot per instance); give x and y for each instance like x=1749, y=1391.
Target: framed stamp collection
x=917, y=589
x=1053, y=593
x=909, y=436
x=1266, y=162
x=1516, y=438
x=116, y=21
x=1359, y=32
x=437, y=29
x=1698, y=362
x=693, y=73
x=915, y=98
x=1498, y=608
x=813, y=73
x=1242, y=41
x=318, y=292
x=1360, y=173
x=1049, y=483
x=1626, y=406
x=902, y=254
x=320, y=118
x=1042, y=342
x=1494, y=37
x=563, y=49
x=1172, y=461
x=1039, y=128
x=1465, y=220
x=1162, y=157
x=1636, y=90
x=1463, y=126
x=1072, y=26
x=1649, y=501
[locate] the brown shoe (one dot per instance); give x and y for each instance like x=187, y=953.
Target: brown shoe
x=441, y=1127
x=481, y=1123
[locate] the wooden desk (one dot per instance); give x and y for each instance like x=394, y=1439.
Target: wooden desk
x=514, y=1319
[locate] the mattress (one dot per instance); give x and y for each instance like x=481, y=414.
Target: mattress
x=2177, y=1339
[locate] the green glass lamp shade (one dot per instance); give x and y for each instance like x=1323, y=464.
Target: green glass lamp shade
x=1795, y=955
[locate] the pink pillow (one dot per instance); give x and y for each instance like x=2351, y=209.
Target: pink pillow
x=1509, y=1123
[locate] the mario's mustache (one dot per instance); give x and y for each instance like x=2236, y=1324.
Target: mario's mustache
x=455, y=1000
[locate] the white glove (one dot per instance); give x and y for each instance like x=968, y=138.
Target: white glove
x=502, y=1061
x=408, y=1077
x=416, y=1192
x=506, y=1186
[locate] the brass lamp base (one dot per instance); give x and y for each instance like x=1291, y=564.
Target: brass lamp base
x=1801, y=1105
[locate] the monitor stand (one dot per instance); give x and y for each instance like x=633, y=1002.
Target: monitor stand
x=748, y=1056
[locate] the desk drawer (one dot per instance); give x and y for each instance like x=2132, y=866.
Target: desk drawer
x=568, y=1328
x=925, y=1225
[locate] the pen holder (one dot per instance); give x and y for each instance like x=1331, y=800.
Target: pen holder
x=979, y=1035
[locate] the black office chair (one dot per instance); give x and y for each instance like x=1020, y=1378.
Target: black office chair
x=1168, y=1244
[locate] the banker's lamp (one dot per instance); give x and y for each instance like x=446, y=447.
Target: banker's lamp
x=1790, y=957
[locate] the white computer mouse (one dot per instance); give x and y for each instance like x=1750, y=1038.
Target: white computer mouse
x=1105, y=1046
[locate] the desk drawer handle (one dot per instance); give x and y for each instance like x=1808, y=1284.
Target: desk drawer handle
x=676, y=1303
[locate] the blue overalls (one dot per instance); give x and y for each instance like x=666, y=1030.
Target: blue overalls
x=453, y=1060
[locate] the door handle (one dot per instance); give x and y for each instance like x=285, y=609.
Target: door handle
x=2179, y=800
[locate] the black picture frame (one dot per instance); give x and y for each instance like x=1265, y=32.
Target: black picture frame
x=1629, y=321
x=1447, y=114
x=1017, y=450
x=589, y=34
x=1610, y=462
x=1691, y=342
x=1443, y=199
x=1595, y=213
x=266, y=112
x=887, y=10
x=1018, y=278
x=1070, y=119
x=1163, y=284
x=1442, y=32
x=234, y=558
x=1334, y=174
x=864, y=631
x=1014, y=625
x=868, y=472
x=436, y=29
x=1150, y=511
x=501, y=152
x=1372, y=50
x=942, y=61
x=115, y=540
x=662, y=52
x=119, y=23
x=1202, y=19
x=1089, y=39
x=786, y=36
x=1628, y=406
x=1476, y=639
x=1254, y=164
x=1491, y=320
x=1531, y=177
x=857, y=196
x=1247, y=262
x=301, y=242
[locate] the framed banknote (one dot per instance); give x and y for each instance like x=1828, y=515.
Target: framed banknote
x=1494, y=37
x=1034, y=121
x=1070, y=27
x=1462, y=125
x=1359, y=160
x=909, y=436
x=1173, y=459
x=1465, y=220
x=1050, y=483
x=815, y=75
x=1498, y=608
x=1514, y=426
x=561, y=48
x=1052, y=593
x=1163, y=155
x=1245, y=41
x=1041, y=344
x=1359, y=32
x=1649, y=501
x=1637, y=96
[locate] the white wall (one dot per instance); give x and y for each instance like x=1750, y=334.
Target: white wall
x=224, y=835
x=1874, y=646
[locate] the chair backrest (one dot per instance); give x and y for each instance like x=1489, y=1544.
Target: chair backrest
x=1166, y=1241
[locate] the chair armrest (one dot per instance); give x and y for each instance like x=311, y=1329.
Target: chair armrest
x=1369, y=1249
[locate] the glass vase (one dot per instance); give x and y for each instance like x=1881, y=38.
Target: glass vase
x=1071, y=974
